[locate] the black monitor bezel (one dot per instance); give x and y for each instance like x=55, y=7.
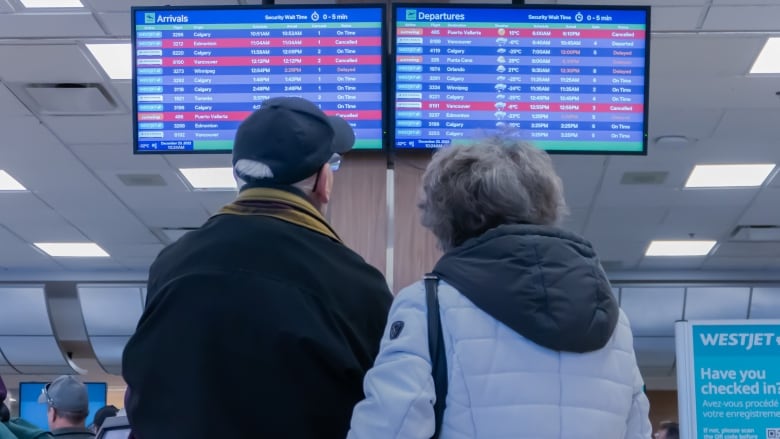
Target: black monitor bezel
x=134, y=84
x=391, y=82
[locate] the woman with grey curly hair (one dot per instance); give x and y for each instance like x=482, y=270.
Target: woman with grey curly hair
x=535, y=344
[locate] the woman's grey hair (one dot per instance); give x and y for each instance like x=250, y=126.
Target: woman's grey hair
x=468, y=190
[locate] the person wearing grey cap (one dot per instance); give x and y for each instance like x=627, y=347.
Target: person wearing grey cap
x=262, y=322
x=68, y=407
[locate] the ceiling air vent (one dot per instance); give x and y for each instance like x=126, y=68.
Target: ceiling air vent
x=756, y=233
x=657, y=177
x=142, y=180
x=70, y=98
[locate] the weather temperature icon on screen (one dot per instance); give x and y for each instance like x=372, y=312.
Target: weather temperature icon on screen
x=501, y=31
x=501, y=41
x=501, y=69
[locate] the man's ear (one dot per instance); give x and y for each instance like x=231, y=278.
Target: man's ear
x=324, y=184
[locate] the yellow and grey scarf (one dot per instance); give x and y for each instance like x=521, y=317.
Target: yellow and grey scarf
x=282, y=205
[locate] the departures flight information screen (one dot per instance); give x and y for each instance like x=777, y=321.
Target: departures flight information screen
x=198, y=72
x=566, y=79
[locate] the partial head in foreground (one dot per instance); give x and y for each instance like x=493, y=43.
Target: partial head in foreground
x=468, y=190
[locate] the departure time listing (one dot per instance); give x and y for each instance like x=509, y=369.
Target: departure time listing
x=563, y=79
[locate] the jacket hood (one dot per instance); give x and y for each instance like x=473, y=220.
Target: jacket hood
x=543, y=282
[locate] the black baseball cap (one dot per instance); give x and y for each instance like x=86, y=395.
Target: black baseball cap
x=292, y=137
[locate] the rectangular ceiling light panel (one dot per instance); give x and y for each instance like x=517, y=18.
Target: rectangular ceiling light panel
x=8, y=183
x=52, y=3
x=679, y=248
x=114, y=58
x=210, y=178
x=72, y=249
x=711, y=176
x=768, y=61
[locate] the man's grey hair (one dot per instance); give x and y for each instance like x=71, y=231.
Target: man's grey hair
x=246, y=169
x=468, y=190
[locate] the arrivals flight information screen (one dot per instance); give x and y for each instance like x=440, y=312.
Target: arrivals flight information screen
x=198, y=72
x=567, y=79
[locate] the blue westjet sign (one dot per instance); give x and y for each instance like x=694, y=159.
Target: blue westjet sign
x=728, y=376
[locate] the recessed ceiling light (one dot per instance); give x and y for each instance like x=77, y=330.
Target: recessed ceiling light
x=729, y=175
x=114, y=58
x=72, y=249
x=768, y=60
x=679, y=248
x=52, y=3
x=210, y=178
x=8, y=183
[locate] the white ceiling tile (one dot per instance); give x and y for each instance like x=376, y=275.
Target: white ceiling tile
x=728, y=263
x=667, y=306
x=655, y=352
x=713, y=303
x=675, y=18
x=748, y=249
x=92, y=129
x=671, y=263
x=125, y=92
x=666, y=121
x=172, y=218
x=9, y=104
x=764, y=210
x=737, y=198
x=673, y=69
x=704, y=222
x=742, y=18
x=116, y=23
x=52, y=63
x=581, y=176
x=618, y=251
x=765, y=303
x=128, y=251
x=5, y=7
x=643, y=221
x=119, y=158
x=61, y=24
x=32, y=220
x=736, y=123
x=91, y=265
x=19, y=256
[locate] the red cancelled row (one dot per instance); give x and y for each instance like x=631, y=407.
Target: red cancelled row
x=260, y=42
x=238, y=116
x=472, y=32
x=255, y=61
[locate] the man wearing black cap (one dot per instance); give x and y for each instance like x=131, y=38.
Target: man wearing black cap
x=68, y=407
x=261, y=323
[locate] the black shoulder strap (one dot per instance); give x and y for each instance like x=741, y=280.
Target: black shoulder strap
x=436, y=348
